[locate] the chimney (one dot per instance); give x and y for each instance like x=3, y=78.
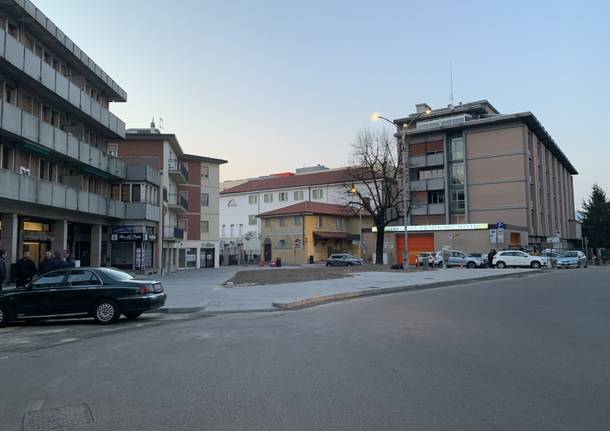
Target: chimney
x=422, y=107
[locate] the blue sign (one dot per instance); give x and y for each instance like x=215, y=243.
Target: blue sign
x=500, y=225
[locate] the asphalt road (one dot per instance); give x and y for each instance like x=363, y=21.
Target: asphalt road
x=517, y=354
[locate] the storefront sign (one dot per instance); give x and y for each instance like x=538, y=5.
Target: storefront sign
x=126, y=237
x=37, y=236
x=435, y=227
x=501, y=236
x=123, y=229
x=493, y=237
x=150, y=237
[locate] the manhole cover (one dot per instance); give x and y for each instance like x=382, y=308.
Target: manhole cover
x=54, y=419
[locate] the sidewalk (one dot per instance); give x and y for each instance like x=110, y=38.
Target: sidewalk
x=202, y=290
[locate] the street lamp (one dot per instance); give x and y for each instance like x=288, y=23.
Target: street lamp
x=376, y=116
x=354, y=191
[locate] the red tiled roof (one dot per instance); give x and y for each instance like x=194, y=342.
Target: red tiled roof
x=335, y=176
x=308, y=207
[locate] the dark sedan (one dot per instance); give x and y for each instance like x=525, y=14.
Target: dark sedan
x=101, y=293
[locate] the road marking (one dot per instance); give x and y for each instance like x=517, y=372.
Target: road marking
x=119, y=345
x=56, y=382
x=34, y=405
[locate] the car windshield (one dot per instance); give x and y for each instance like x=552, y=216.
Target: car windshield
x=569, y=254
x=118, y=275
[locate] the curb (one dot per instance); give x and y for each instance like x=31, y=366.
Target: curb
x=176, y=310
x=324, y=299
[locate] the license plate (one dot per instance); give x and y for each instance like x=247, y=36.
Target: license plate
x=158, y=288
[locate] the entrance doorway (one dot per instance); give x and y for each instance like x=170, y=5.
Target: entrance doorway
x=267, y=250
x=37, y=249
x=206, y=258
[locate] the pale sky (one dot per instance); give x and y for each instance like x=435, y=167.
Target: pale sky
x=275, y=85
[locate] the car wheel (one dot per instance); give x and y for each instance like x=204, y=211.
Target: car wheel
x=3, y=316
x=501, y=265
x=471, y=265
x=349, y=264
x=535, y=264
x=133, y=315
x=106, y=312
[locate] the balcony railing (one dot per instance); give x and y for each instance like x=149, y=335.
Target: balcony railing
x=142, y=211
x=31, y=190
x=177, y=201
x=173, y=233
x=427, y=160
x=428, y=184
x=143, y=173
x=178, y=171
x=427, y=209
x=26, y=126
x=32, y=65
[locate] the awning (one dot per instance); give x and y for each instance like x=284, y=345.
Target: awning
x=331, y=235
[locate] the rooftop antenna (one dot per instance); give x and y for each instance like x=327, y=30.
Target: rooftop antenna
x=451, y=80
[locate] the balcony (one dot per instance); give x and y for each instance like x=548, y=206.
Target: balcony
x=177, y=171
x=45, y=138
x=143, y=173
x=177, y=202
x=427, y=160
x=427, y=209
x=173, y=233
x=31, y=190
x=142, y=211
x=428, y=184
x=46, y=77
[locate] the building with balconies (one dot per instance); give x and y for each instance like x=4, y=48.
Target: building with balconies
x=57, y=172
x=479, y=179
x=189, y=189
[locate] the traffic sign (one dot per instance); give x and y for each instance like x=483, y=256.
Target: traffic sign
x=500, y=225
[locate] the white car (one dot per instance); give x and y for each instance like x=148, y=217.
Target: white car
x=518, y=258
x=459, y=258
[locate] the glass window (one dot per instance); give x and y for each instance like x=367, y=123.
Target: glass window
x=320, y=221
x=268, y=197
x=81, y=278
x=267, y=222
x=205, y=226
x=297, y=220
x=317, y=193
x=457, y=149
x=125, y=192
x=282, y=221
x=457, y=173
x=253, y=199
x=340, y=223
x=232, y=230
x=205, y=199
x=224, y=230
x=205, y=171
x=298, y=195
x=252, y=220
x=283, y=196
x=135, y=193
x=458, y=218
x=436, y=197
x=241, y=230
x=232, y=203
x=457, y=200
x=52, y=279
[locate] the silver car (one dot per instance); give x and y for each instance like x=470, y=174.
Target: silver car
x=572, y=259
x=343, y=259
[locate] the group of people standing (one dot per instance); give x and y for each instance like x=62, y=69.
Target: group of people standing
x=26, y=270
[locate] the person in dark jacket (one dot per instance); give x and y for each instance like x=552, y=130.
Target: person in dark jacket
x=58, y=261
x=490, y=258
x=2, y=267
x=46, y=264
x=69, y=259
x=25, y=270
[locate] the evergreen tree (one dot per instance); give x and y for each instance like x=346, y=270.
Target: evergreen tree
x=596, y=218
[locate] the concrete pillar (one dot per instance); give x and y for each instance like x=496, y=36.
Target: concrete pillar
x=60, y=236
x=96, y=245
x=9, y=239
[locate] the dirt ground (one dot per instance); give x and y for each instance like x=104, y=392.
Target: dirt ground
x=295, y=275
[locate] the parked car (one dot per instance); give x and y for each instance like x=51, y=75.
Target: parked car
x=101, y=293
x=343, y=259
x=459, y=258
x=551, y=258
x=422, y=258
x=572, y=259
x=482, y=256
x=518, y=258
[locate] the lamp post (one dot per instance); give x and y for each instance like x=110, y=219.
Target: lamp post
x=404, y=148
x=354, y=190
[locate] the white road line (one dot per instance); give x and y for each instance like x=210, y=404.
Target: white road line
x=56, y=382
x=34, y=405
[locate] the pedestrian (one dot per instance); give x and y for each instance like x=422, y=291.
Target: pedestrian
x=25, y=270
x=2, y=267
x=58, y=261
x=46, y=264
x=490, y=258
x=69, y=259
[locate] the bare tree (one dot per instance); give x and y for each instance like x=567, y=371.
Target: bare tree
x=376, y=186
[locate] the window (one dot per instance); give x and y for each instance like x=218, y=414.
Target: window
x=252, y=220
x=298, y=195
x=457, y=200
x=125, y=192
x=113, y=149
x=52, y=279
x=115, y=192
x=268, y=197
x=281, y=243
x=457, y=218
x=253, y=199
x=232, y=230
x=232, y=203
x=205, y=226
x=205, y=171
x=135, y=193
x=436, y=197
x=340, y=223
x=428, y=174
x=282, y=221
x=82, y=278
x=297, y=220
x=319, y=221
x=224, y=230
x=283, y=196
x=241, y=230
x=457, y=173
x=205, y=199
x=317, y=193
x=457, y=149
x=267, y=222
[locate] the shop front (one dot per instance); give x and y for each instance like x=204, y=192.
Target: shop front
x=133, y=247
x=36, y=238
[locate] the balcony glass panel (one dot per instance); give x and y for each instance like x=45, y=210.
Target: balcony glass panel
x=31, y=64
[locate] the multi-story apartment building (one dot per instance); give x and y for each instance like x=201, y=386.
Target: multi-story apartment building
x=480, y=179
x=190, y=186
x=240, y=230
x=56, y=173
